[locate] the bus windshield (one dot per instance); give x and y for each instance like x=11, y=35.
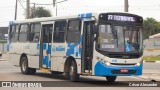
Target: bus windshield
x=119, y=38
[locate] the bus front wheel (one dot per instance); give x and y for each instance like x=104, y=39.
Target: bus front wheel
x=71, y=72
x=24, y=67
x=111, y=78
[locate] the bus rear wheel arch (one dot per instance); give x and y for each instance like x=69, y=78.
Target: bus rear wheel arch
x=70, y=70
x=24, y=66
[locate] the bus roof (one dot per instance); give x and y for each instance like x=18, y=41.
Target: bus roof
x=44, y=19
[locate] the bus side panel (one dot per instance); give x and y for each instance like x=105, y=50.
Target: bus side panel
x=60, y=52
x=33, y=55
x=22, y=47
x=78, y=61
x=14, y=58
x=74, y=50
x=58, y=56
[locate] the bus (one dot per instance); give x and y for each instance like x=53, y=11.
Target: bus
x=91, y=44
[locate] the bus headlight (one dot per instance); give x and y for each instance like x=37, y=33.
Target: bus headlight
x=138, y=64
x=108, y=64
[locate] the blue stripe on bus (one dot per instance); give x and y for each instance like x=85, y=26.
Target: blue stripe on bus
x=80, y=49
x=49, y=63
x=85, y=16
x=44, y=46
x=101, y=69
x=74, y=48
x=49, y=49
x=88, y=14
x=70, y=49
x=45, y=60
x=38, y=46
x=76, y=54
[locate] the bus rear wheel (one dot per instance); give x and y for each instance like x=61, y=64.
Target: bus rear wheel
x=111, y=79
x=24, y=67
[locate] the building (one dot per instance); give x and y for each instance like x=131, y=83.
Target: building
x=3, y=39
x=153, y=42
x=3, y=32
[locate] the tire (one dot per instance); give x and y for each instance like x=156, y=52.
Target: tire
x=71, y=71
x=24, y=67
x=111, y=79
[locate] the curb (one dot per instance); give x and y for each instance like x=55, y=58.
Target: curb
x=3, y=60
x=151, y=61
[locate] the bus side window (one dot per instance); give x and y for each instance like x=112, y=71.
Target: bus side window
x=59, y=31
x=74, y=31
x=34, y=32
x=23, y=33
x=14, y=33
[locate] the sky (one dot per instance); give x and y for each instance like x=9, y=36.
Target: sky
x=144, y=8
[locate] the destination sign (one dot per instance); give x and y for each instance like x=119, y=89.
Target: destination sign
x=121, y=18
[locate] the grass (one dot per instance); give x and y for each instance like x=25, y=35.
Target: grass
x=152, y=58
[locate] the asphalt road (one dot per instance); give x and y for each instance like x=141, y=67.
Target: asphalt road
x=9, y=72
x=151, y=66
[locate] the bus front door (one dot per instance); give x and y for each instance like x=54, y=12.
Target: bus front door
x=87, y=51
x=45, y=45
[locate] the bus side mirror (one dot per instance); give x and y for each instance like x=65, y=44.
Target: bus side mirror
x=95, y=29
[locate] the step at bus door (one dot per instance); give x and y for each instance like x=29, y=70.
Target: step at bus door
x=87, y=51
x=46, y=38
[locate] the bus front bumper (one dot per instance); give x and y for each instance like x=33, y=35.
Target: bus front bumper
x=101, y=69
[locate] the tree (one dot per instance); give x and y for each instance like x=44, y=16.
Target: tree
x=40, y=12
x=150, y=27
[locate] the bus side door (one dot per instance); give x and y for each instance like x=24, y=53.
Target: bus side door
x=45, y=45
x=87, y=51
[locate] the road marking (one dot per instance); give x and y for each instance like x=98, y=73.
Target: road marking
x=139, y=78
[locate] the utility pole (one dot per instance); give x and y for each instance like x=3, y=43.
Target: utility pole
x=34, y=10
x=28, y=9
x=126, y=5
x=55, y=5
x=15, y=17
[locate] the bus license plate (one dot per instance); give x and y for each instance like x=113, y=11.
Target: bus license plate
x=124, y=70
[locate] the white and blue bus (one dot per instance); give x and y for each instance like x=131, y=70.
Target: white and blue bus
x=90, y=44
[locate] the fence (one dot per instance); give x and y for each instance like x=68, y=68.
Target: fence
x=3, y=47
x=152, y=43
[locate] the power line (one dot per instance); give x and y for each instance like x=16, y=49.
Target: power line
x=23, y=1
x=7, y=7
x=43, y=4
x=21, y=5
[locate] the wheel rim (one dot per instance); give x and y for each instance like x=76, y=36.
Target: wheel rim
x=24, y=65
x=71, y=70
